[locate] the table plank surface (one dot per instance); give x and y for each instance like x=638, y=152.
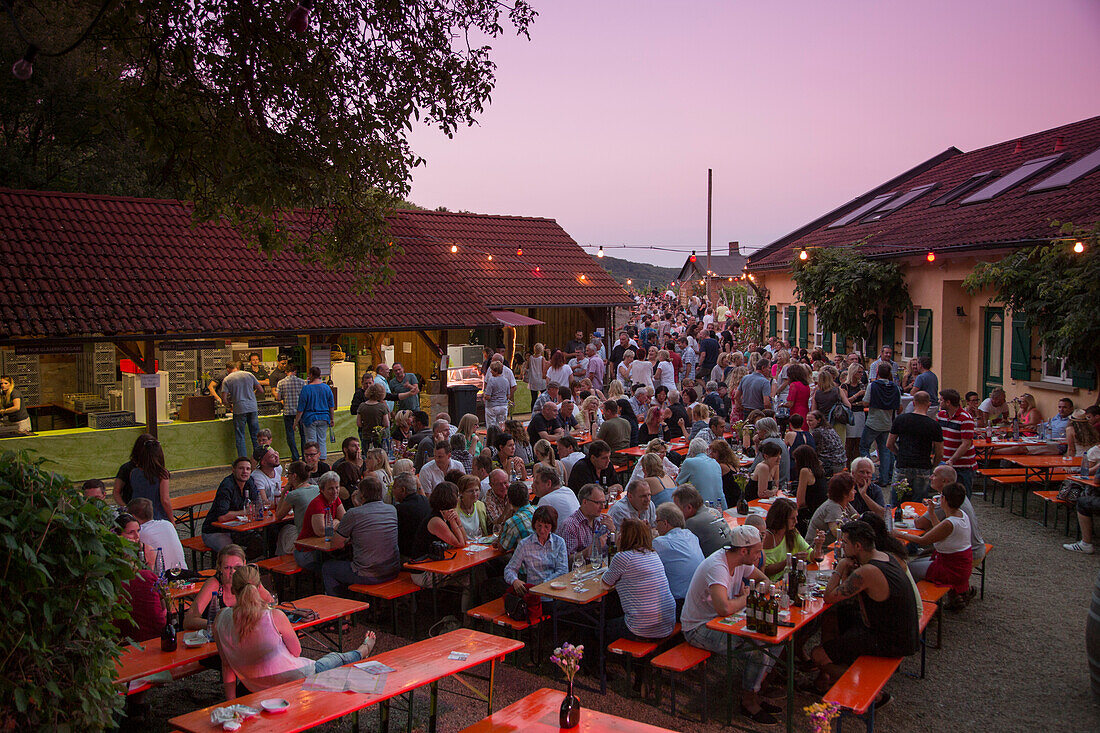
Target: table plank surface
x=595, y=588
x=457, y=561
x=799, y=617
x=136, y=663
x=538, y=713
x=191, y=500
x=236, y=525
x=315, y=543
x=414, y=665
x=1043, y=461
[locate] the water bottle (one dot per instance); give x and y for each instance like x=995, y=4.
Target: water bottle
x=328, y=525
x=158, y=564
x=387, y=445
x=212, y=611
x=889, y=517
x=248, y=509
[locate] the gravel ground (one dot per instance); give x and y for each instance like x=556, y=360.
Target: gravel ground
x=1001, y=668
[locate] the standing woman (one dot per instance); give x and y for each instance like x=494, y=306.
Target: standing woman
x=558, y=371
x=828, y=395
x=495, y=394
x=798, y=391
x=536, y=375
x=11, y=405
x=855, y=390
x=665, y=373
x=372, y=413
x=149, y=479
x=641, y=372
x=813, y=488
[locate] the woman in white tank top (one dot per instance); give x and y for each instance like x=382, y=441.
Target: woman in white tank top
x=952, y=560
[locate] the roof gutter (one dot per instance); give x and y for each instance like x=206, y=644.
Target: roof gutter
x=909, y=251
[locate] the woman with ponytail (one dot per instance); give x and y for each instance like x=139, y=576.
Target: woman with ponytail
x=258, y=645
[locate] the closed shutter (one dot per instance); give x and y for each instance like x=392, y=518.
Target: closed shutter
x=1084, y=378
x=1021, y=347
x=773, y=318
x=924, y=332
x=888, y=329
x=803, y=327
x=826, y=340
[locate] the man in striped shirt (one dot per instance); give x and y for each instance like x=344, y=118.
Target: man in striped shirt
x=958, y=437
x=286, y=391
x=579, y=529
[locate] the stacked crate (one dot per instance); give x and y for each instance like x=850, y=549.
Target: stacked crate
x=182, y=368
x=23, y=369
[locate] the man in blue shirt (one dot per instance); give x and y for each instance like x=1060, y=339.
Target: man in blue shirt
x=316, y=410
x=756, y=388
x=704, y=473
x=927, y=381
x=678, y=549
x=239, y=391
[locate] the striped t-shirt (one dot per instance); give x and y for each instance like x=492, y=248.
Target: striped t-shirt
x=956, y=429
x=643, y=590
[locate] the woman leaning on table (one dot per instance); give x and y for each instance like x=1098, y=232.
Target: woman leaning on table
x=258, y=645
x=952, y=559
x=229, y=559
x=147, y=609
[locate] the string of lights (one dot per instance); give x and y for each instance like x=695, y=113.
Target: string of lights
x=24, y=67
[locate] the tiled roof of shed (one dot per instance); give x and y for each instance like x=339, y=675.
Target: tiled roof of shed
x=1013, y=217
x=83, y=265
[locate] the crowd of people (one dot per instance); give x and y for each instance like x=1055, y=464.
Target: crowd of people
x=838, y=443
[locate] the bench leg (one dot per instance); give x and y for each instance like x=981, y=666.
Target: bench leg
x=982, y=593
x=1046, y=506
x=433, y=705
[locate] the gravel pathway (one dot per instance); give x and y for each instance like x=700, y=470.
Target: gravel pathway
x=1014, y=661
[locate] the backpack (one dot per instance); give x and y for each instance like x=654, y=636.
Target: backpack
x=841, y=414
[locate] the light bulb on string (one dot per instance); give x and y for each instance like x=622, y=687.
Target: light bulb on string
x=24, y=67
x=1078, y=246
x=490, y=258
x=600, y=253
x=298, y=19
x=931, y=256
x=454, y=249
x=519, y=251
x=692, y=258
x=803, y=254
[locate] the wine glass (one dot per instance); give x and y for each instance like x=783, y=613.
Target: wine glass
x=274, y=600
x=578, y=563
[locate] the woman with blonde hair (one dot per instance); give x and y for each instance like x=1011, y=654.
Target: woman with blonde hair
x=615, y=390
x=535, y=369
x=402, y=426
x=523, y=440
x=1080, y=434
x=258, y=645
x=826, y=397
x=379, y=464
x=547, y=456
x=665, y=373
x=660, y=448
x=623, y=371
x=591, y=417
x=661, y=485
x=718, y=373
x=468, y=426
x=1030, y=415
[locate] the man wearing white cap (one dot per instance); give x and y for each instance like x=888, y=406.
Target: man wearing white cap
x=718, y=589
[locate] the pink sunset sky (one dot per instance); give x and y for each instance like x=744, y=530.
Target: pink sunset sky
x=608, y=118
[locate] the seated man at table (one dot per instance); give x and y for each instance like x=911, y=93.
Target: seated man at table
x=159, y=534
x=635, y=504
x=311, y=452
x=942, y=476
x=717, y=590
x=228, y=502
x=704, y=473
x=994, y=409
x=595, y=468
x=548, y=488
x=517, y=524
x=580, y=528
x=412, y=510
x=615, y=430
x=545, y=424
x=678, y=549
x=371, y=528
x=434, y=471
x=441, y=431
x=703, y=522
x=888, y=621
x=569, y=453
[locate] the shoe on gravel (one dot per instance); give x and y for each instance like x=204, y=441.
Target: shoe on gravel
x=761, y=716
x=1079, y=546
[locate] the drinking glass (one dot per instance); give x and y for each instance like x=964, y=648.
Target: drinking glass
x=578, y=563
x=274, y=600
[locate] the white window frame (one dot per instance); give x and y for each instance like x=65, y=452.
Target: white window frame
x=817, y=332
x=785, y=333
x=910, y=335
x=1064, y=377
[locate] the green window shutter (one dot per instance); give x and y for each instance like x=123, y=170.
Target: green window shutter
x=1021, y=347
x=888, y=329
x=1084, y=378
x=826, y=340
x=792, y=318
x=924, y=332
x=804, y=327
x=773, y=318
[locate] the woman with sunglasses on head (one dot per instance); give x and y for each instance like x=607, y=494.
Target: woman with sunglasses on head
x=229, y=559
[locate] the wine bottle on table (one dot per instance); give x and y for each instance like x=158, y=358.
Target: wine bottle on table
x=750, y=607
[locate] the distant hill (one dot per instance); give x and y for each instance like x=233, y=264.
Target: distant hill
x=644, y=275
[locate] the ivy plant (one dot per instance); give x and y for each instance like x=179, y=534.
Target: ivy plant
x=62, y=576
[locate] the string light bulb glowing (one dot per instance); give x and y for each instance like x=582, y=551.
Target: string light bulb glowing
x=538, y=268
x=1078, y=246
x=583, y=277
x=629, y=281
x=519, y=252
x=490, y=258
x=803, y=254
x=454, y=249
x=692, y=258
x=600, y=253
x=931, y=256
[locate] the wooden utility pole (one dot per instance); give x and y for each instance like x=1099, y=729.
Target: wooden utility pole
x=149, y=366
x=710, y=280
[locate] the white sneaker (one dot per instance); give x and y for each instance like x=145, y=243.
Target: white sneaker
x=1079, y=546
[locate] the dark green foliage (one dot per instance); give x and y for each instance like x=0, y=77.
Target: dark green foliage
x=63, y=569
x=1057, y=288
x=644, y=275
x=218, y=103
x=848, y=291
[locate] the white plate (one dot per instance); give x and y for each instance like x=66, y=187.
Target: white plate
x=195, y=639
x=275, y=705
x=558, y=585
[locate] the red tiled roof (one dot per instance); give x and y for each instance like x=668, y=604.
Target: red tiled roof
x=82, y=265
x=510, y=280
x=1013, y=217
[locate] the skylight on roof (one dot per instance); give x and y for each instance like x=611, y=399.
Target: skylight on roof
x=871, y=205
x=891, y=206
x=1028, y=170
x=964, y=188
x=1070, y=173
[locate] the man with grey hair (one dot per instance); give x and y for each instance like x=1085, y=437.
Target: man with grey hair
x=704, y=473
x=677, y=422
x=703, y=522
x=942, y=476
x=639, y=399
x=678, y=549
x=636, y=504
x=552, y=394
x=547, y=486
x=412, y=510
x=371, y=528
x=713, y=401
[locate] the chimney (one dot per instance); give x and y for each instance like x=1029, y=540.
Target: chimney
x=1059, y=144
x=734, y=249
x=1019, y=147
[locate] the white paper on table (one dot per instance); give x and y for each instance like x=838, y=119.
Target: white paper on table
x=458, y=656
x=332, y=680
x=476, y=548
x=365, y=682
x=373, y=667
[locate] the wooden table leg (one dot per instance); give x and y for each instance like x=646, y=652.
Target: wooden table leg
x=433, y=706
x=492, y=676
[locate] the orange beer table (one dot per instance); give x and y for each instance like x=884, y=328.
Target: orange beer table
x=457, y=561
x=137, y=662
x=415, y=665
x=188, y=503
x=1040, y=468
x=538, y=713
